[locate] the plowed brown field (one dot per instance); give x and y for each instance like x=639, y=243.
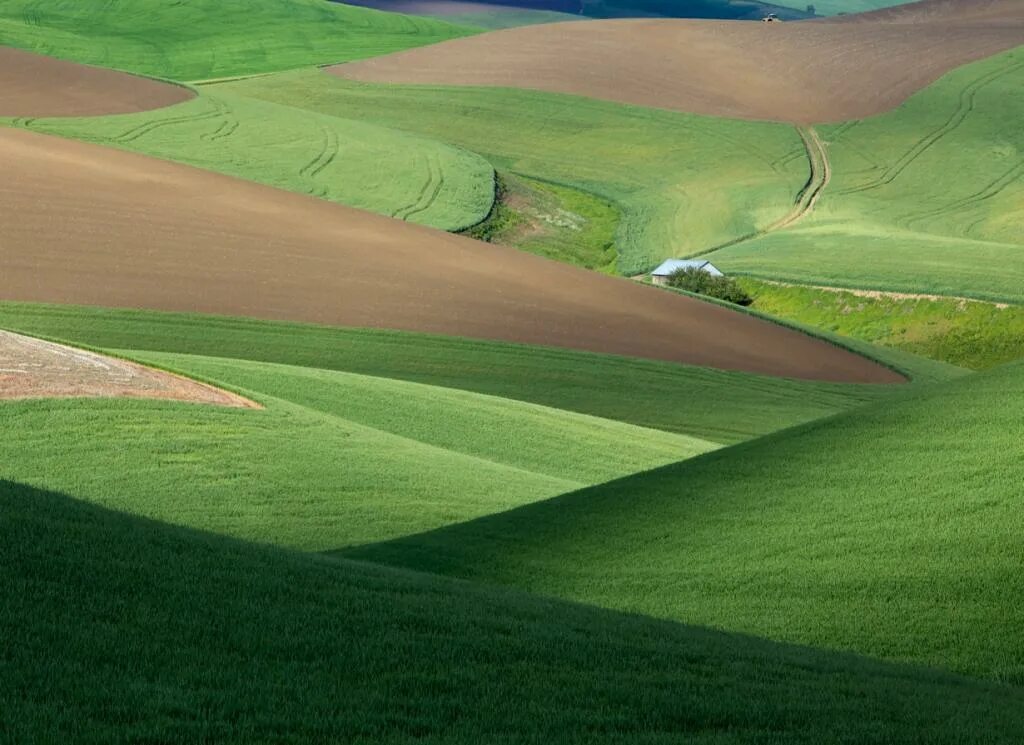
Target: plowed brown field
x=95, y=226
x=32, y=368
x=35, y=86
x=802, y=72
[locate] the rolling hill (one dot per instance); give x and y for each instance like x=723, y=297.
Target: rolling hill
x=707, y=404
x=681, y=182
x=170, y=237
x=122, y=630
x=927, y=198
x=892, y=531
x=210, y=38
x=783, y=72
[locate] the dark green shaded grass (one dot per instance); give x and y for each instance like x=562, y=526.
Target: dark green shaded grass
x=892, y=531
x=120, y=630
x=700, y=402
x=202, y=39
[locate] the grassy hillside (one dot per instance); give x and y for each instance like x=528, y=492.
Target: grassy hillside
x=893, y=531
x=343, y=160
x=121, y=630
x=928, y=198
x=703, y=403
x=976, y=335
x=211, y=38
x=682, y=183
x=335, y=459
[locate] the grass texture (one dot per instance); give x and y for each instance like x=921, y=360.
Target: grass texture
x=969, y=334
x=342, y=160
x=555, y=221
x=202, y=39
x=928, y=198
x=335, y=459
x=714, y=405
x=892, y=531
x=682, y=183
x=120, y=630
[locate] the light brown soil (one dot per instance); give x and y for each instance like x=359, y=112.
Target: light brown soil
x=95, y=226
x=805, y=72
x=35, y=86
x=32, y=368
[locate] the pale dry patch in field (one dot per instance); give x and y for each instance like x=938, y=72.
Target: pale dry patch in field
x=33, y=368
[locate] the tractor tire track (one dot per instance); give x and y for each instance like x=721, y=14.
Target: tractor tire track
x=964, y=108
x=141, y=130
x=428, y=193
x=806, y=199
x=974, y=200
x=329, y=149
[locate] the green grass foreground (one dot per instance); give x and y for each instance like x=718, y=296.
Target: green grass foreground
x=202, y=39
x=714, y=405
x=892, y=531
x=343, y=160
x=334, y=460
x=683, y=183
x=927, y=198
x=120, y=630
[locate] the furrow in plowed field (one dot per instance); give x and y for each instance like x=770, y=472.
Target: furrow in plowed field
x=94, y=226
x=36, y=86
x=820, y=71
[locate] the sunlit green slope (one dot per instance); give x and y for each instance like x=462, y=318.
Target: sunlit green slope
x=339, y=159
x=211, y=38
x=683, y=183
x=928, y=198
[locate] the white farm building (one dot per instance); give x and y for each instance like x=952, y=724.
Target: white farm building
x=660, y=275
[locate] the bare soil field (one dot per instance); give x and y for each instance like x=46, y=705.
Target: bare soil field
x=32, y=368
x=818, y=71
x=94, y=226
x=32, y=85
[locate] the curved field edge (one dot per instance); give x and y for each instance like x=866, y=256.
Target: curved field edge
x=333, y=457
x=342, y=160
x=891, y=530
x=675, y=398
x=212, y=38
x=122, y=629
x=682, y=182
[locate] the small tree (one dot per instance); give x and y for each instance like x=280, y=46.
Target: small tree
x=701, y=282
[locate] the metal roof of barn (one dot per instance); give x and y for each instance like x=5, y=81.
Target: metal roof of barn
x=673, y=265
